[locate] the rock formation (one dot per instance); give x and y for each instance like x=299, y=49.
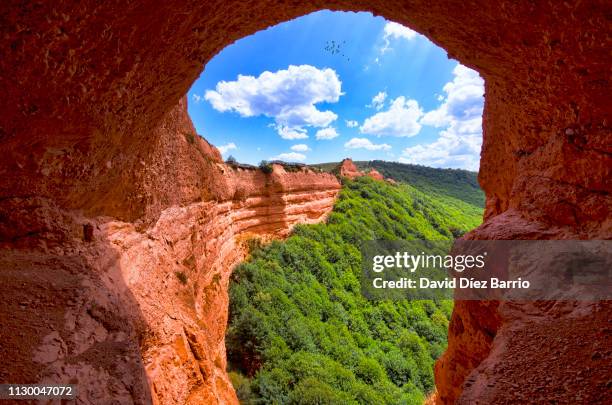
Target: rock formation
x=348, y=169
x=116, y=220
x=375, y=174
x=136, y=311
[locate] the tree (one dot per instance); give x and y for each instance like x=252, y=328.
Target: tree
x=265, y=167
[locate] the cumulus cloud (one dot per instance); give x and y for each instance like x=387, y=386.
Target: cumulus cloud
x=460, y=116
x=290, y=157
x=364, y=143
x=227, y=147
x=291, y=133
x=394, y=31
x=448, y=150
x=463, y=101
x=401, y=119
x=378, y=101
x=326, y=133
x=351, y=123
x=288, y=96
x=300, y=147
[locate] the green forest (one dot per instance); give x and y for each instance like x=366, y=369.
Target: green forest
x=300, y=332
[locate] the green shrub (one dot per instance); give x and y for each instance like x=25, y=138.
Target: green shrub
x=189, y=137
x=311, y=391
x=242, y=386
x=265, y=167
x=253, y=244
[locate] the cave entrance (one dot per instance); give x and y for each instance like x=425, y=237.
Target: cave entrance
x=90, y=107
x=312, y=91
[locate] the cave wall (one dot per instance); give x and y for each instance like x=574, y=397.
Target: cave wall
x=93, y=131
x=94, y=80
x=136, y=312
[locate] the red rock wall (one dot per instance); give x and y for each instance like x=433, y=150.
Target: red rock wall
x=100, y=301
x=87, y=89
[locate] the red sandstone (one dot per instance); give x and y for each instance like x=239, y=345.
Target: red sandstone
x=120, y=320
x=348, y=169
x=91, y=135
x=375, y=174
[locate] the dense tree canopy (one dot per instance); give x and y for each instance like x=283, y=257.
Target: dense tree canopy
x=300, y=331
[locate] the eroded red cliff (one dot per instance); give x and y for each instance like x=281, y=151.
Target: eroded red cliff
x=137, y=311
x=92, y=181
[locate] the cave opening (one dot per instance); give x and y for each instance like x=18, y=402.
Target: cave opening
x=304, y=94
x=93, y=130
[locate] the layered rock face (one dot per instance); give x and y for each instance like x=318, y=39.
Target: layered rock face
x=137, y=311
x=106, y=193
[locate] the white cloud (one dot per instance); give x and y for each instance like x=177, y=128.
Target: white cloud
x=288, y=96
x=227, y=147
x=449, y=150
x=401, y=119
x=197, y=98
x=460, y=116
x=326, y=133
x=364, y=143
x=290, y=157
x=378, y=101
x=300, y=147
x=463, y=100
x=394, y=31
x=351, y=123
x=291, y=133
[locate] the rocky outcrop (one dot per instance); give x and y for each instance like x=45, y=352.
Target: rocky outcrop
x=198, y=245
x=375, y=174
x=90, y=171
x=504, y=352
x=137, y=311
x=349, y=169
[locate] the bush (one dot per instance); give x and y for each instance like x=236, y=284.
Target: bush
x=242, y=386
x=231, y=160
x=456, y=232
x=254, y=244
x=313, y=392
x=189, y=137
x=370, y=371
x=265, y=167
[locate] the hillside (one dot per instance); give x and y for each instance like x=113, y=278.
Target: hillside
x=460, y=184
x=301, y=332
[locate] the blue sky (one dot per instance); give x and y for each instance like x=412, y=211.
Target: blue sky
x=331, y=85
